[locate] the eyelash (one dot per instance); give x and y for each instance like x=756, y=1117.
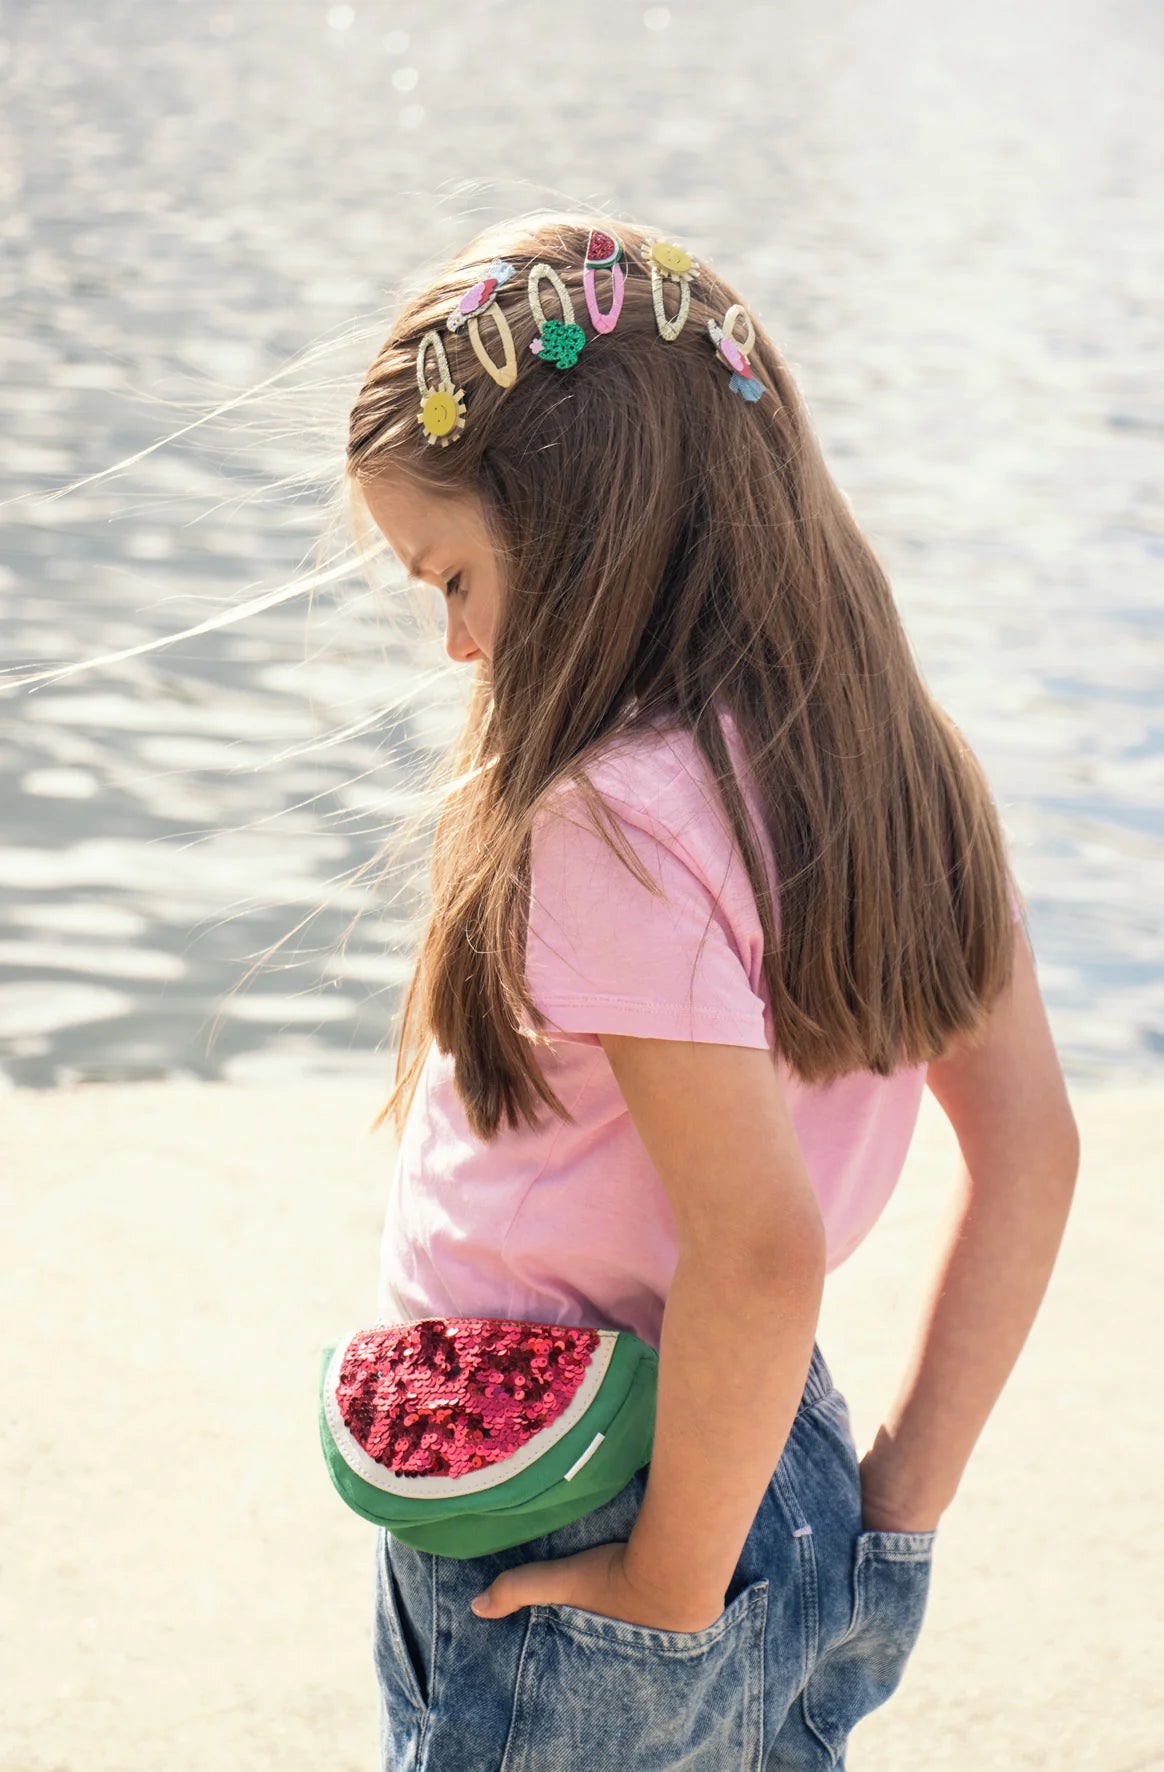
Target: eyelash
x=455, y=581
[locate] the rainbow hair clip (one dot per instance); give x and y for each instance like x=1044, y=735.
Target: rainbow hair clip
x=668, y=262
x=559, y=341
x=734, y=351
x=603, y=252
x=442, y=409
x=481, y=299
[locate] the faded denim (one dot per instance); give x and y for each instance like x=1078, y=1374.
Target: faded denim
x=819, y=1622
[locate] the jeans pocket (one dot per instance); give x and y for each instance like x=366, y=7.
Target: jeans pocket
x=399, y=1666
x=862, y=1668
x=594, y=1691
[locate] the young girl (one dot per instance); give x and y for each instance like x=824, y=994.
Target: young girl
x=718, y=889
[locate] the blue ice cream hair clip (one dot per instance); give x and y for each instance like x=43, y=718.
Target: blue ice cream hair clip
x=442, y=409
x=481, y=299
x=734, y=351
x=666, y=261
x=559, y=341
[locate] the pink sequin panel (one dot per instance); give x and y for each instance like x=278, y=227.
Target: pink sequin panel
x=447, y=1395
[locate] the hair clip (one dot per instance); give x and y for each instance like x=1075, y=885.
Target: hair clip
x=442, y=409
x=559, y=341
x=666, y=261
x=603, y=252
x=479, y=300
x=735, y=351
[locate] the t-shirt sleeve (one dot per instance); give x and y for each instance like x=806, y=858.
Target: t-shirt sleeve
x=606, y=955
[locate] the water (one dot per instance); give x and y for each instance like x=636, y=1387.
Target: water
x=950, y=218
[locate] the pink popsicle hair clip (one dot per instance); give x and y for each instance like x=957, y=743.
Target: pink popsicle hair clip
x=477, y=301
x=603, y=252
x=734, y=351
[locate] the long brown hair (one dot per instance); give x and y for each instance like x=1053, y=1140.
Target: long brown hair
x=669, y=549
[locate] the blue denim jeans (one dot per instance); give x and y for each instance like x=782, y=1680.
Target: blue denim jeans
x=820, y=1619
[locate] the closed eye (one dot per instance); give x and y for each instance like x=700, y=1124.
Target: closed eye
x=453, y=586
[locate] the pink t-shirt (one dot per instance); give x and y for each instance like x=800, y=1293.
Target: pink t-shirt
x=570, y=1223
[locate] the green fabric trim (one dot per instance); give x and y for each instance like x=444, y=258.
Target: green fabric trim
x=537, y=1499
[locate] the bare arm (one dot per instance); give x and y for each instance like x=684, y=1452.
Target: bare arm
x=1007, y=1103
x=741, y=1311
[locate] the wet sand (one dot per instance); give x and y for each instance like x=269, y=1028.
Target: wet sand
x=183, y=1588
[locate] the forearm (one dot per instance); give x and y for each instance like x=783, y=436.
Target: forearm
x=986, y=1292
x=734, y=1352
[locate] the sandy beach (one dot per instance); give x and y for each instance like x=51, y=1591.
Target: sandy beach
x=182, y=1587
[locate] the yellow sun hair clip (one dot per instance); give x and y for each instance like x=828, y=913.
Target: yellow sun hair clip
x=442, y=409
x=668, y=262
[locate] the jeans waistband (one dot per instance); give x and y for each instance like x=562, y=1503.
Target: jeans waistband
x=819, y=1382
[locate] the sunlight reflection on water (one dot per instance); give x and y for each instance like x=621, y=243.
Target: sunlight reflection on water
x=951, y=224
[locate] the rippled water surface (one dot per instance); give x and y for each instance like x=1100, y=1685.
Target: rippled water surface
x=951, y=220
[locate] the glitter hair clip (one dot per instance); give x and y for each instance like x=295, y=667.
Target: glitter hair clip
x=442, y=409
x=481, y=299
x=734, y=351
x=558, y=341
x=603, y=252
x=664, y=262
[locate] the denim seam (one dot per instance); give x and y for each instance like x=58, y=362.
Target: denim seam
x=810, y=1725
x=758, y=1716
x=680, y=1652
x=392, y=1606
x=790, y=1506
x=835, y=1755
x=823, y=1405
x=508, y=1760
x=434, y=1640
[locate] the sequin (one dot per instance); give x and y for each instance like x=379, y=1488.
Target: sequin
x=446, y=1396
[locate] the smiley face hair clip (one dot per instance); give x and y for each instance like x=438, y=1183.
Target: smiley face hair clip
x=734, y=351
x=670, y=263
x=481, y=299
x=442, y=409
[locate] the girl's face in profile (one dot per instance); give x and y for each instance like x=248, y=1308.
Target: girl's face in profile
x=444, y=541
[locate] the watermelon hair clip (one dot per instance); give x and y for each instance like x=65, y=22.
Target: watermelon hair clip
x=442, y=409
x=734, y=351
x=559, y=341
x=667, y=262
x=603, y=252
x=477, y=301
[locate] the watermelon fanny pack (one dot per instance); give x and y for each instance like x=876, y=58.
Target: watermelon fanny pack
x=466, y=1435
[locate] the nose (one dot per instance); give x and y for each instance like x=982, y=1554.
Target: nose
x=458, y=644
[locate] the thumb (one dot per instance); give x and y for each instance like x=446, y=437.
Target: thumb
x=500, y=1597
x=520, y=1586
